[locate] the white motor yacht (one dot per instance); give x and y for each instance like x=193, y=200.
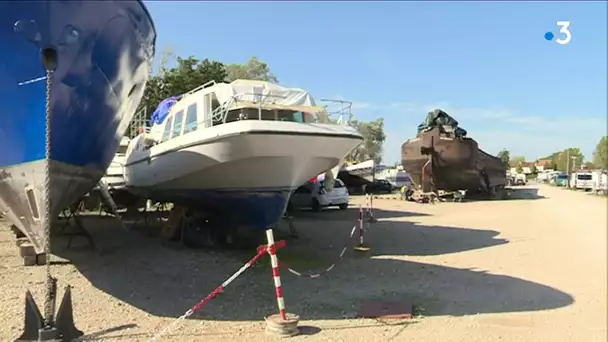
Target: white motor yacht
x=237, y=149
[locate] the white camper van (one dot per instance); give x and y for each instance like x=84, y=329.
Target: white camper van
x=584, y=180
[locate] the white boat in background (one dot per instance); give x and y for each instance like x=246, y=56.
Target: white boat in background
x=368, y=169
x=237, y=150
x=114, y=177
x=397, y=177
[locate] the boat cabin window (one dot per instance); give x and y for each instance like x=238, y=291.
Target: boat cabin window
x=177, y=124
x=190, y=124
x=269, y=115
x=302, y=117
x=167, y=131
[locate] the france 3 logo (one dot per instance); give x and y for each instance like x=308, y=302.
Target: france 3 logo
x=564, y=33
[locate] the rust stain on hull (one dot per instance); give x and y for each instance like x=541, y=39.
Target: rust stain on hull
x=436, y=161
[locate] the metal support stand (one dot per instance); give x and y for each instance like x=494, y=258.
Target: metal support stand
x=292, y=228
x=72, y=219
x=107, y=198
x=51, y=327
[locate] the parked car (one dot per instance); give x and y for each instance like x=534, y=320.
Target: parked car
x=315, y=196
x=520, y=179
x=379, y=186
x=561, y=179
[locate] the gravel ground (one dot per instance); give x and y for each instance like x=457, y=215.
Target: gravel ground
x=517, y=270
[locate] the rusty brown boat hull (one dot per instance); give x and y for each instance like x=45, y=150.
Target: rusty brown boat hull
x=438, y=162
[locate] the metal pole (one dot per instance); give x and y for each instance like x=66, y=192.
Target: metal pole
x=573, y=163
x=568, y=167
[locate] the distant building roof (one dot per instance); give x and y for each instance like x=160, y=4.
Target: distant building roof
x=544, y=162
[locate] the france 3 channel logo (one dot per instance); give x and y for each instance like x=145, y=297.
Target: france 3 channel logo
x=564, y=36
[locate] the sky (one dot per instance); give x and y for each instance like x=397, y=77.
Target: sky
x=487, y=64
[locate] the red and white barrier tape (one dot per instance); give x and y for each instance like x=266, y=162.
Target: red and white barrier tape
x=270, y=249
x=213, y=294
x=316, y=275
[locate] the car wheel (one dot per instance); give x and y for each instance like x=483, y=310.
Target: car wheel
x=316, y=206
x=343, y=206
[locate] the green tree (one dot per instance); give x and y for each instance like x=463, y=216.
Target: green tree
x=167, y=55
x=569, y=159
x=188, y=74
x=373, y=140
x=553, y=158
x=533, y=169
x=600, y=155
x=517, y=160
x=589, y=165
x=505, y=156
x=254, y=69
x=519, y=168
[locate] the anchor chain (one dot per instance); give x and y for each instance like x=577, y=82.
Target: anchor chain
x=50, y=281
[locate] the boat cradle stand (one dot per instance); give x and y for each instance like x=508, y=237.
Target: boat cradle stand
x=73, y=220
x=196, y=229
x=287, y=216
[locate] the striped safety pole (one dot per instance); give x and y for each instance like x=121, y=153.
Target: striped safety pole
x=361, y=247
x=369, y=208
x=275, y=273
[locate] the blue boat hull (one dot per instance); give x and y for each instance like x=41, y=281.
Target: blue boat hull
x=251, y=208
x=104, y=54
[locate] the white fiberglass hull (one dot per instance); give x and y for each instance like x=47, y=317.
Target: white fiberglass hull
x=264, y=159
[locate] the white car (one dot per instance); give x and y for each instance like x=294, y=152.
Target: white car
x=315, y=196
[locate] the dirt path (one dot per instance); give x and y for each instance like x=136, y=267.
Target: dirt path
x=558, y=241
x=519, y=270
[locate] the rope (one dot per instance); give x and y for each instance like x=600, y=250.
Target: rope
x=326, y=270
x=213, y=294
x=50, y=281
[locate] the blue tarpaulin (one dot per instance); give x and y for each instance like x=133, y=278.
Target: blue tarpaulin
x=162, y=110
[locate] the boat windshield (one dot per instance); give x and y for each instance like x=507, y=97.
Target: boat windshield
x=293, y=115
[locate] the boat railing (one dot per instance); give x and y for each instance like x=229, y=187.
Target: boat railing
x=260, y=101
x=220, y=115
x=206, y=85
x=139, y=124
x=340, y=116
